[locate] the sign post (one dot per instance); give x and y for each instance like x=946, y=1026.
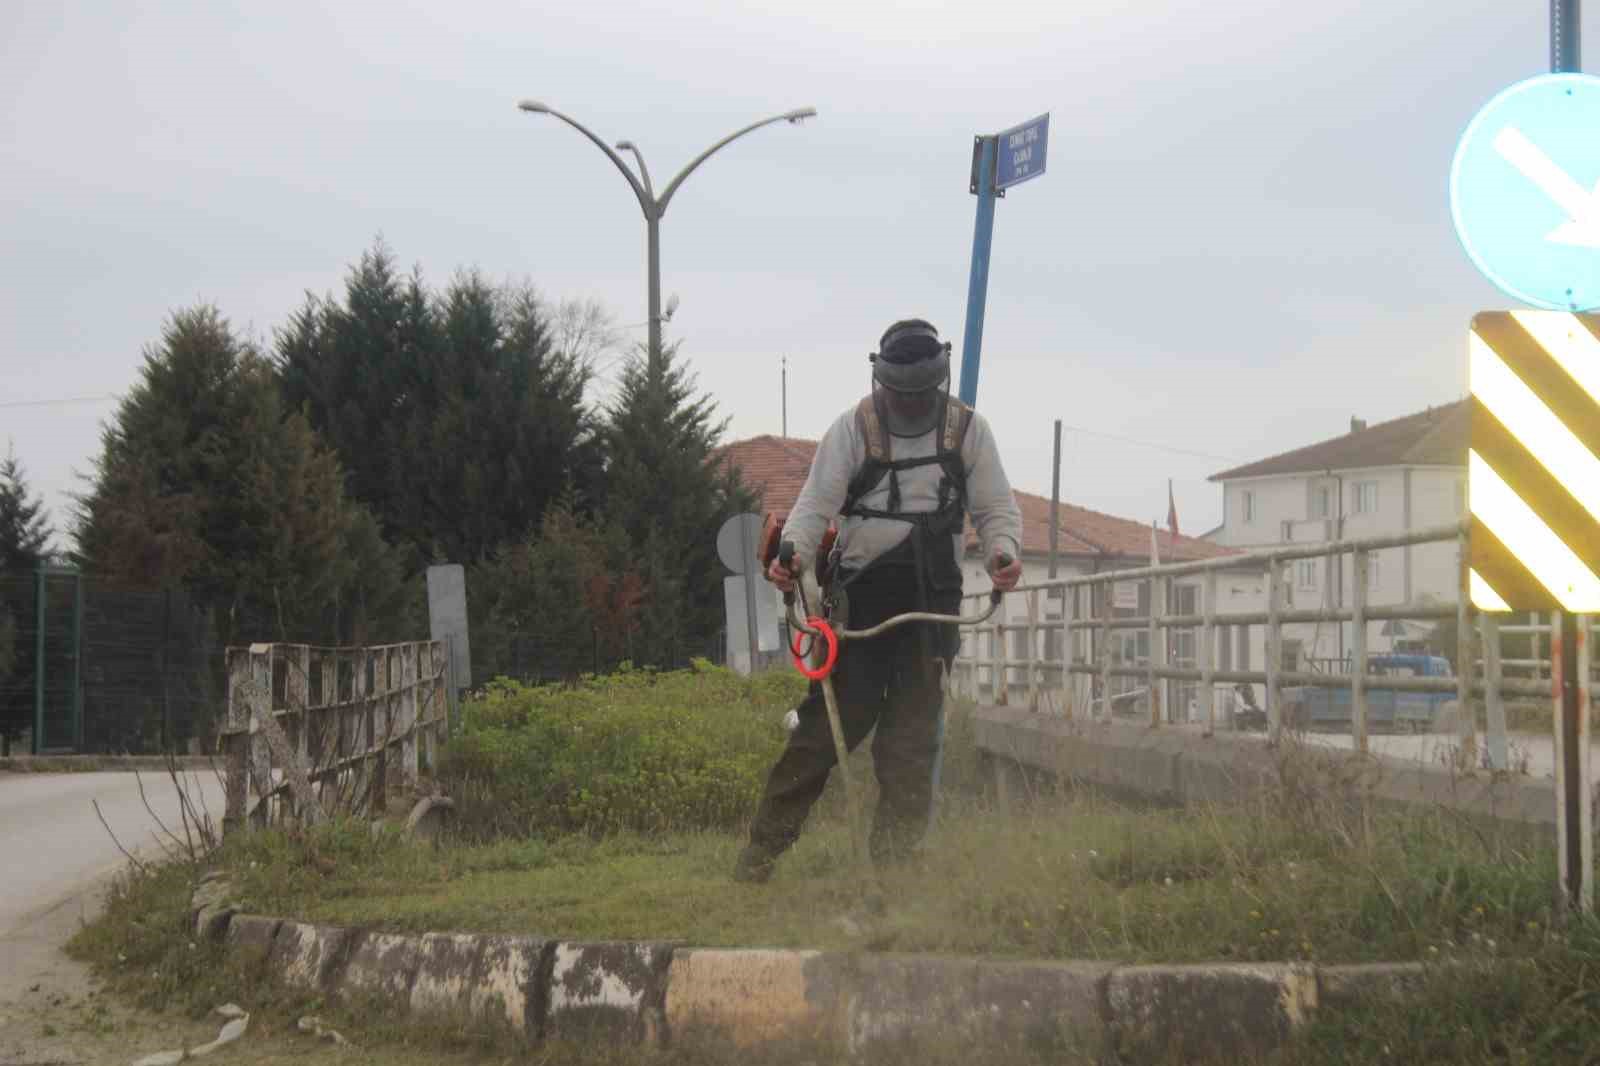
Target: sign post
x=1525, y=198
x=999, y=161
x=749, y=613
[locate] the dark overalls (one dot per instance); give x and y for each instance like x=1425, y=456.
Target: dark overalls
x=891, y=682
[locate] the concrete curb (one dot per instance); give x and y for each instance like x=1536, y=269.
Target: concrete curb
x=1184, y=768
x=69, y=764
x=657, y=993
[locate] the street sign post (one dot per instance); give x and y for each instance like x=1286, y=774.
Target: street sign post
x=1525, y=191
x=998, y=162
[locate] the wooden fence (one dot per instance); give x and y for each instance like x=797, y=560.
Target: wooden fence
x=333, y=729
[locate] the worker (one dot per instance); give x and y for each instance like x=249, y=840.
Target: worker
x=903, y=469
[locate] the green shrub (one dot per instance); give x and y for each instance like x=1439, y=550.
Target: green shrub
x=633, y=751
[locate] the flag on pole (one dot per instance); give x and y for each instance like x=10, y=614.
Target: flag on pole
x=1172, y=512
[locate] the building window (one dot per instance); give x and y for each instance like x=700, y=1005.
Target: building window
x=1374, y=570
x=1249, y=506
x=1366, y=497
x=1306, y=573
x=1286, y=532
x=1242, y=642
x=1320, y=504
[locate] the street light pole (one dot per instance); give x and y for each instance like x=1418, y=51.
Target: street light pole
x=652, y=206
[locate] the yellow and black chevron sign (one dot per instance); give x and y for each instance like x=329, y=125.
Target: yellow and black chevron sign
x=1533, y=461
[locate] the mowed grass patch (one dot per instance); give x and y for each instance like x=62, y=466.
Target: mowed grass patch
x=1072, y=876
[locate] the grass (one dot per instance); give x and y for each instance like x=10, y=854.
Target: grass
x=1074, y=876
x=1296, y=874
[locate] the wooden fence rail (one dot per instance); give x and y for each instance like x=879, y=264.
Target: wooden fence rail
x=311, y=731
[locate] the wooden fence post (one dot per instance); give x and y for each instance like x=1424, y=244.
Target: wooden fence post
x=1105, y=648
x=1358, y=680
x=1033, y=649
x=1208, y=651
x=260, y=710
x=1069, y=636
x=408, y=715
x=1494, y=699
x=1274, y=662
x=236, y=741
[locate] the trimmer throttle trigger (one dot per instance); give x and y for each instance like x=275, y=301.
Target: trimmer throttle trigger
x=1003, y=560
x=786, y=557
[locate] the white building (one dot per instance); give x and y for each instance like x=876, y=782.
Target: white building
x=1400, y=476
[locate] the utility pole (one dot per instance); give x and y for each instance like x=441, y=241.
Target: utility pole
x=1055, y=501
x=786, y=397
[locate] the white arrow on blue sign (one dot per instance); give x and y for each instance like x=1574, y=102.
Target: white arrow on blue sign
x=1525, y=191
x=1020, y=152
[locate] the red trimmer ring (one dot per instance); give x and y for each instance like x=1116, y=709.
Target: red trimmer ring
x=832, y=640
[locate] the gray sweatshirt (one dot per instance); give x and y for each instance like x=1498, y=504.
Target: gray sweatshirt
x=990, y=506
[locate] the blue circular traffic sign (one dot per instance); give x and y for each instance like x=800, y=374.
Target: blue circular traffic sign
x=1525, y=191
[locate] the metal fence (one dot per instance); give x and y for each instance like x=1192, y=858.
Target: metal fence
x=95, y=665
x=1080, y=670
x=351, y=724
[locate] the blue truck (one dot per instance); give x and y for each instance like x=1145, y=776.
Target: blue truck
x=1319, y=709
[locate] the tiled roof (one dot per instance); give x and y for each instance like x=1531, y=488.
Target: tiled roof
x=777, y=466
x=1435, y=437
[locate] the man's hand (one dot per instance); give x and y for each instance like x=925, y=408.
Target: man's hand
x=781, y=576
x=1005, y=577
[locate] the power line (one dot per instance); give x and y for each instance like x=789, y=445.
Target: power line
x=61, y=402
x=1154, y=445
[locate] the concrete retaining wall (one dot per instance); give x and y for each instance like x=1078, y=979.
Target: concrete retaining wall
x=664, y=994
x=1183, y=767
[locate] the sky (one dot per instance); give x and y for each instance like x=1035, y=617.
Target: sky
x=1242, y=238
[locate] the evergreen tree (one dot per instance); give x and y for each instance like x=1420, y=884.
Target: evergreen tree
x=204, y=481
x=24, y=545
x=24, y=528
x=355, y=370
x=556, y=602
x=664, y=489
x=458, y=419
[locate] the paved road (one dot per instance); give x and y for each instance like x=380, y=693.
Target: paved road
x=56, y=855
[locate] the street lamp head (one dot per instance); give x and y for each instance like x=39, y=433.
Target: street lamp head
x=796, y=117
x=626, y=146
x=534, y=106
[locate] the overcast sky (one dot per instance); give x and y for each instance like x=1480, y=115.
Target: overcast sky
x=1242, y=240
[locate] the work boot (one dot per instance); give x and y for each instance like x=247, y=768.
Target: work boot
x=754, y=866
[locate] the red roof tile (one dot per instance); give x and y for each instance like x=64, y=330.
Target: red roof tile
x=777, y=467
x=1435, y=437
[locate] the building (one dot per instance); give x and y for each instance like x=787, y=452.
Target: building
x=1087, y=542
x=1400, y=476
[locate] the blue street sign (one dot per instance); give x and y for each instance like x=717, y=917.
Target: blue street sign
x=1525, y=191
x=1020, y=152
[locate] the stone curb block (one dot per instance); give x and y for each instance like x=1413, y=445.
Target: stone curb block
x=509, y=987
x=613, y=990
x=653, y=993
x=383, y=965
x=1342, y=987
x=754, y=995
x=448, y=965
x=1044, y=1001
x=1207, y=1010
x=251, y=932
x=309, y=958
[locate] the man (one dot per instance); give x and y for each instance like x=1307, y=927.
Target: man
x=903, y=468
